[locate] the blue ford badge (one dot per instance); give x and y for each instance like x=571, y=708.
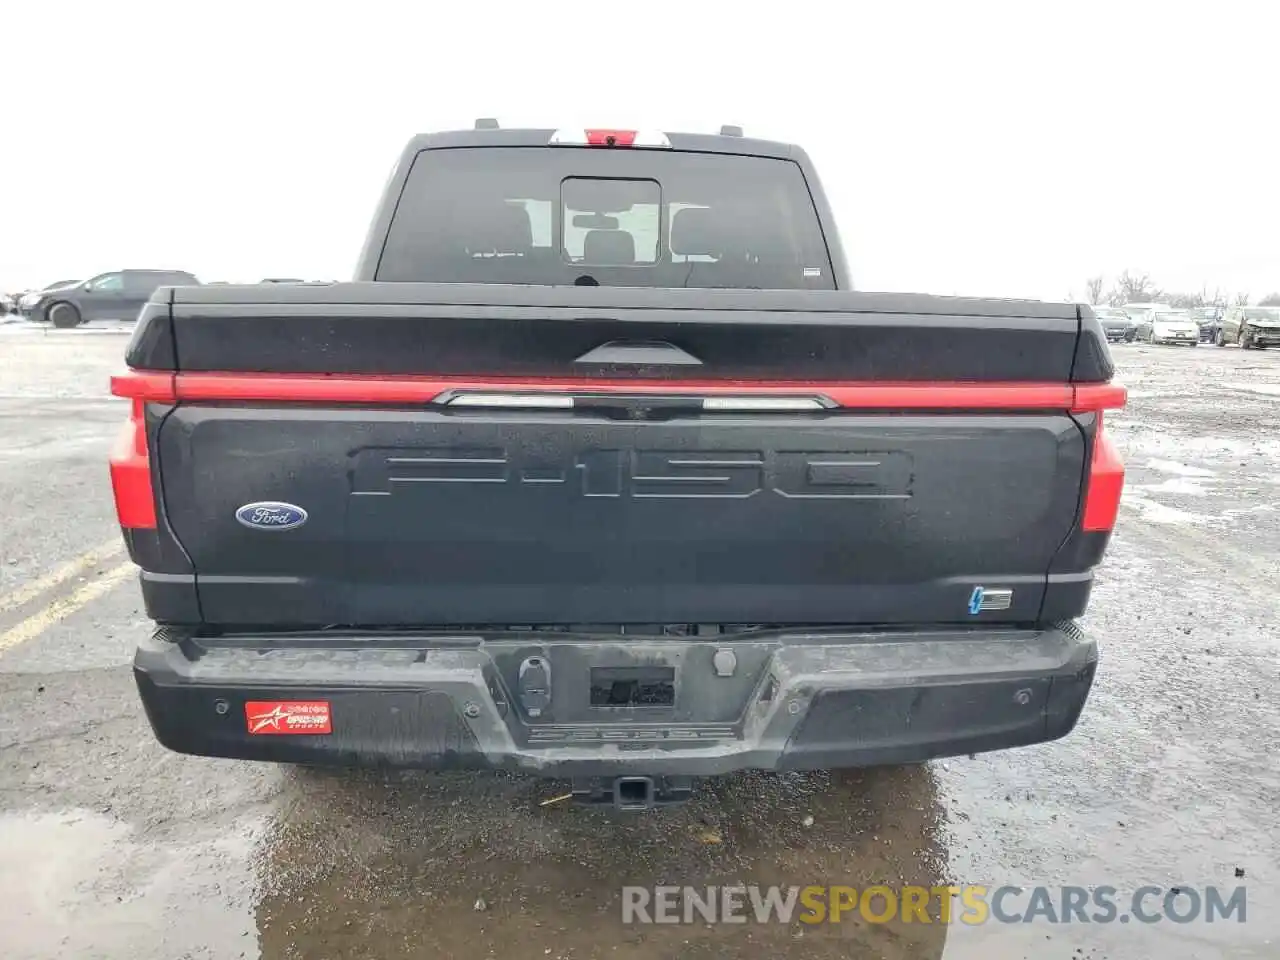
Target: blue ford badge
x=270, y=515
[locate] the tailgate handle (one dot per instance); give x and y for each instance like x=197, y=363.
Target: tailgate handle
x=646, y=353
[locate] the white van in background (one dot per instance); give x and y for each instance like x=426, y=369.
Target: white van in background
x=1138, y=311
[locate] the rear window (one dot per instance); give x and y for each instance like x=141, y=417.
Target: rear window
x=644, y=218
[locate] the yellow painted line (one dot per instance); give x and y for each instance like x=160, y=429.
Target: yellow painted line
x=63, y=607
x=53, y=578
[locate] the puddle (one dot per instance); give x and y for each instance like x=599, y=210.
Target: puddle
x=367, y=866
x=79, y=884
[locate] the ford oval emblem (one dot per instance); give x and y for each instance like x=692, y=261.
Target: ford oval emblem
x=271, y=515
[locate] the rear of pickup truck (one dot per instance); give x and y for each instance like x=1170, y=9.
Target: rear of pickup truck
x=455, y=515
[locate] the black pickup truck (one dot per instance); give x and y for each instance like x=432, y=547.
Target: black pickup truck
x=601, y=470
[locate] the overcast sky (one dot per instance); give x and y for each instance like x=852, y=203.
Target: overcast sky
x=976, y=148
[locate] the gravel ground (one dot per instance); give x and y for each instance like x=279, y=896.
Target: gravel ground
x=112, y=847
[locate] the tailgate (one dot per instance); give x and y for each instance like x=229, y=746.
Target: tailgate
x=509, y=517
x=455, y=474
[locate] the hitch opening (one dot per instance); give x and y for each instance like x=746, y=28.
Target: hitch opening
x=633, y=793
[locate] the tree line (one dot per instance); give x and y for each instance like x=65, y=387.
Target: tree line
x=1133, y=287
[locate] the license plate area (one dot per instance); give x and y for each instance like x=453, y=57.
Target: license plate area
x=632, y=687
x=641, y=689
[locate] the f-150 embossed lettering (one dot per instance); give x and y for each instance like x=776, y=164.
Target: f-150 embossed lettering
x=647, y=474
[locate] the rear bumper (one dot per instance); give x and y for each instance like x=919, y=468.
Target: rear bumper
x=796, y=700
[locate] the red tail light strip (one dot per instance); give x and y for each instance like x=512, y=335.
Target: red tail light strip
x=1099, y=396
x=131, y=466
x=1106, y=483
x=140, y=385
x=320, y=388
x=131, y=472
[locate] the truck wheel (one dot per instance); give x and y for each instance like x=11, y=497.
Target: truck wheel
x=63, y=315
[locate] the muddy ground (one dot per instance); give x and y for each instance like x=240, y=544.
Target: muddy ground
x=112, y=847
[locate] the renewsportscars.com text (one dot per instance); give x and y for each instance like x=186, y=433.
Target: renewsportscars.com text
x=972, y=904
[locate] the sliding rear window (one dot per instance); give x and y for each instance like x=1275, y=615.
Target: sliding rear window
x=639, y=218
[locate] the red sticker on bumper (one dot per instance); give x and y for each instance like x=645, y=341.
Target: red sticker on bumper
x=287, y=716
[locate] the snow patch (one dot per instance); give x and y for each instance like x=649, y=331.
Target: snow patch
x=1154, y=512
x=1249, y=511
x=1175, y=485
x=1179, y=469
x=1262, y=389
x=1141, y=440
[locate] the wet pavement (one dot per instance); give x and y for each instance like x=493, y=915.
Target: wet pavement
x=112, y=847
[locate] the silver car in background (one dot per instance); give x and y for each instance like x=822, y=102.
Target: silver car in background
x=1169, y=326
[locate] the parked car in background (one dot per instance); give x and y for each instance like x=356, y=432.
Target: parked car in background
x=1250, y=327
x=8, y=304
x=32, y=298
x=1208, y=319
x=118, y=295
x=1169, y=326
x=1138, y=311
x=1116, y=324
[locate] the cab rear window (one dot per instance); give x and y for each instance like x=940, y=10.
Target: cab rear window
x=650, y=218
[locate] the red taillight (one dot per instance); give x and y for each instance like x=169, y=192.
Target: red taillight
x=611, y=138
x=131, y=473
x=130, y=461
x=1106, y=482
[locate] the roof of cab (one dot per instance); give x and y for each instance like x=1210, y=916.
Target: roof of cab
x=694, y=142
